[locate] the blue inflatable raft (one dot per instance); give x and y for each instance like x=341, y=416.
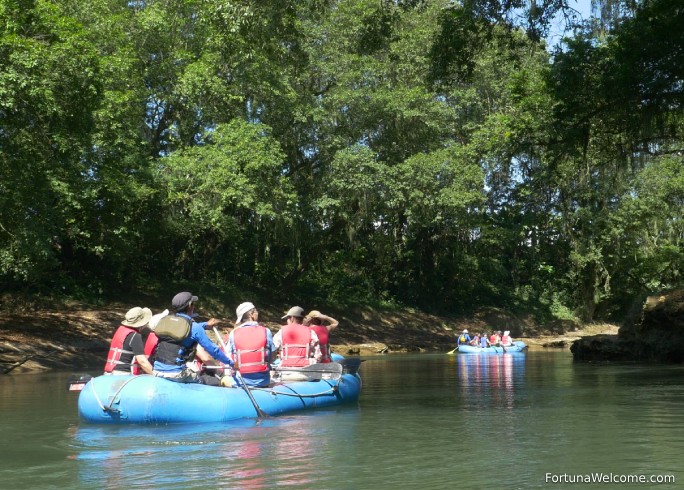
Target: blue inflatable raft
x=517, y=348
x=147, y=399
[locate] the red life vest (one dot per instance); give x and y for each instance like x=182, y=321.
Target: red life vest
x=116, y=349
x=250, y=346
x=151, y=344
x=506, y=340
x=494, y=339
x=323, y=339
x=296, y=345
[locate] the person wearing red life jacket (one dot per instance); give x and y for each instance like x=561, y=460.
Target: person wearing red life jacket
x=316, y=321
x=251, y=347
x=297, y=344
x=506, y=339
x=126, y=352
x=495, y=339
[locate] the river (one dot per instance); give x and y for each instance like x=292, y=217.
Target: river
x=428, y=421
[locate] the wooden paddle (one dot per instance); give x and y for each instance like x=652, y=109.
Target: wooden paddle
x=453, y=351
x=259, y=411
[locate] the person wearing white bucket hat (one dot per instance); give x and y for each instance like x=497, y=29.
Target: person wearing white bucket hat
x=126, y=352
x=506, y=339
x=250, y=344
x=464, y=338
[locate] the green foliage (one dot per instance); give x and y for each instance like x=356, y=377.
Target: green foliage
x=427, y=153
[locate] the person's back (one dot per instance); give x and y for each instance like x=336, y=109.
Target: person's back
x=251, y=345
x=296, y=341
x=126, y=351
x=179, y=337
x=314, y=320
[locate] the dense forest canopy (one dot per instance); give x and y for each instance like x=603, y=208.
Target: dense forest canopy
x=432, y=153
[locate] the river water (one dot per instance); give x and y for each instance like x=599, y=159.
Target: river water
x=429, y=421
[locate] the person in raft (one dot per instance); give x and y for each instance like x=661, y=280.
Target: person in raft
x=250, y=344
x=506, y=339
x=464, y=338
x=179, y=335
x=322, y=325
x=297, y=344
x=126, y=351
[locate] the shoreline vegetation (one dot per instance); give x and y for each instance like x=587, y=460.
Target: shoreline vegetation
x=76, y=335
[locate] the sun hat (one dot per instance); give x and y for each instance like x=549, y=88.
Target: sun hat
x=242, y=309
x=465, y=330
x=296, y=311
x=182, y=300
x=137, y=317
x=506, y=333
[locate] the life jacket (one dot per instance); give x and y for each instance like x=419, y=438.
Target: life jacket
x=494, y=339
x=323, y=339
x=170, y=348
x=251, y=349
x=462, y=339
x=116, y=350
x=506, y=340
x=295, y=350
x=151, y=345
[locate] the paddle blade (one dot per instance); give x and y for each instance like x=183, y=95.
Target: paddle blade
x=314, y=372
x=350, y=365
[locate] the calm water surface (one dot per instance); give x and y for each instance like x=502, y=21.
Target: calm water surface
x=423, y=421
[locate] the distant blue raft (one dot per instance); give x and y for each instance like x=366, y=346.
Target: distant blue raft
x=518, y=347
x=147, y=399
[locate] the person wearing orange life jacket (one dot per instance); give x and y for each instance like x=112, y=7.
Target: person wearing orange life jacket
x=495, y=339
x=298, y=344
x=314, y=320
x=126, y=352
x=506, y=339
x=250, y=345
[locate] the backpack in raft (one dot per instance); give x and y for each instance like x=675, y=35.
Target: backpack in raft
x=173, y=327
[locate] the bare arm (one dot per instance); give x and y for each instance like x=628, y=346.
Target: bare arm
x=332, y=323
x=144, y=364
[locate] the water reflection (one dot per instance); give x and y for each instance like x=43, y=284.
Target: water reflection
x=245, y=454
x=491, y=377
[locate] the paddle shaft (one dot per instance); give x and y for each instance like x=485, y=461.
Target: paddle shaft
x=259, y=411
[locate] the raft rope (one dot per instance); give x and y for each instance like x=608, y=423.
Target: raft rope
x=109, y=407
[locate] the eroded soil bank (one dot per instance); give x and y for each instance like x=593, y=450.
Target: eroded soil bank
x=77, y=336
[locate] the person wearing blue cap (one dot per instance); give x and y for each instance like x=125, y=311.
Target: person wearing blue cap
x=179, y=335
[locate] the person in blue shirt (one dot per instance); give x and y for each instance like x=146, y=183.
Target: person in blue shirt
x=179, y=335
x=464, y=338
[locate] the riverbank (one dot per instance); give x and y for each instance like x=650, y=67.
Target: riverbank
x=76, y=336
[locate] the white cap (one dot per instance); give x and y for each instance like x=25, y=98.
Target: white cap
x=242, y=309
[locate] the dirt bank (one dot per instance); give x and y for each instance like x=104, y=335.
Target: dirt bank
x=77, y=336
